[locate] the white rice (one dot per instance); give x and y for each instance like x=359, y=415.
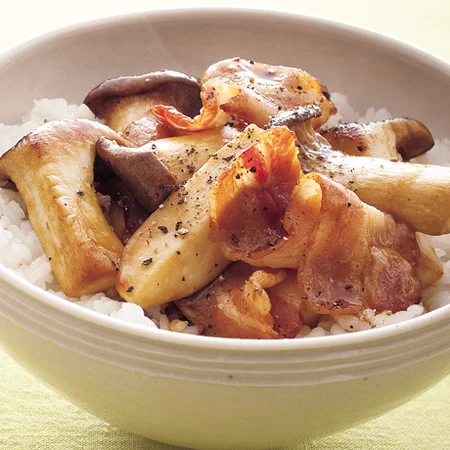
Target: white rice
x=21, y=251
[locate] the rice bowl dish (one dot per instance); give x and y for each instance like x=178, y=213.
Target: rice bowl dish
x=21, y=250
x=104, y=364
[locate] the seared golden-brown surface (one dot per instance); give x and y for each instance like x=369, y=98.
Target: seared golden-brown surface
x=52, y=168
x=385, y=139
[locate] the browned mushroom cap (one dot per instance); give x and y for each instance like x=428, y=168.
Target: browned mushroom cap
x=52, y=167
x=125, y=103
x=140, y=170
x=384, y=139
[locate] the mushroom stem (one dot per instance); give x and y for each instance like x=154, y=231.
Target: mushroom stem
x=153, y=171
x=52, y=167
x=416, y=194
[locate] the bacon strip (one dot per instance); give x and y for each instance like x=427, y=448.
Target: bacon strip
x=250, y=200
x=237, y=305
x=349, y=255
x=356, y=257
x=253, y=92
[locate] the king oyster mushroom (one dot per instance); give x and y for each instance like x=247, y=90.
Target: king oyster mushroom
x=416, y=194
x=391, y=139
x=377, y=140
x=171, y=160
x=52, y=168
x=125, y=103
x=171, y=256
x=140, y=179
x=383, y=139
x=141, y=171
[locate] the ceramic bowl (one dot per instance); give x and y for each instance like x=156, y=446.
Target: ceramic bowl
x=215, y=393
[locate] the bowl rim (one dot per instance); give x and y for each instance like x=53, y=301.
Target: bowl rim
x=68, y=308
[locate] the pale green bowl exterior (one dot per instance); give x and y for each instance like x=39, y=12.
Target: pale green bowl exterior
x=214, y=393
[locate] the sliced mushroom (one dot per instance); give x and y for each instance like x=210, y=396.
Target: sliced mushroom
x=153, y=171
x=125, y=103
x=172, y=255
x=416, y=194
x=384, y=139
x=52, y=167
x=145, y=175
x=184, y=155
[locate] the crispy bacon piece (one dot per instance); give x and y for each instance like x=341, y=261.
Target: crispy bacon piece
x=253, y=92
x=249, y=202
x=349, y=255
x=288, y=309
x=214, y=93
x=236, y=305
x=356, y=257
